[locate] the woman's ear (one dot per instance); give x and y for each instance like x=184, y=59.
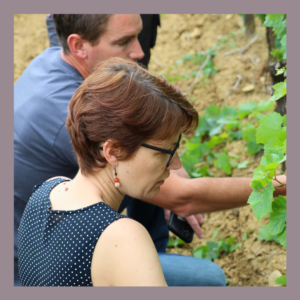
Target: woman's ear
x=77, y=45
x=110, y=152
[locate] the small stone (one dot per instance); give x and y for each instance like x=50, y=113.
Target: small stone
x=272, y=278
x=262, y=79
x=248, y=88
x=196, y=33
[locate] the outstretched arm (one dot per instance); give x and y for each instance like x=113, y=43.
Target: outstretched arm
x=200, y=195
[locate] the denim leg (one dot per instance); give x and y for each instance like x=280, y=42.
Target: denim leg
x=181, y=270
x=153, y=219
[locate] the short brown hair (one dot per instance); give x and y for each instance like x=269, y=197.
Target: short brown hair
x=89, y=27
x=122, y=101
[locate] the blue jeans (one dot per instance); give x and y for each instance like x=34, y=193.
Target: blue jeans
x=181, y=270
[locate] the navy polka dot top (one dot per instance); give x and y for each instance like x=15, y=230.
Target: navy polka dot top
x=55, y=248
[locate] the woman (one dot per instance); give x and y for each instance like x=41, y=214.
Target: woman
x=125, y=126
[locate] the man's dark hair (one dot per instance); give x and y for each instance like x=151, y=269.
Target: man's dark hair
x=89, y=27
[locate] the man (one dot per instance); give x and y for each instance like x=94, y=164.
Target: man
x=151, y=216
x=42, y=144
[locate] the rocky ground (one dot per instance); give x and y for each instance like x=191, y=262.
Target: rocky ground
x=179, y=35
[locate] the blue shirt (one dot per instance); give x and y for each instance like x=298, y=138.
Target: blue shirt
x=42, y=144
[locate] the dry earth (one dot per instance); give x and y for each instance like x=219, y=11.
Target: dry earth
x=252, y=264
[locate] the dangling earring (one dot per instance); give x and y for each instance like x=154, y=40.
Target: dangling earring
x=117, y=180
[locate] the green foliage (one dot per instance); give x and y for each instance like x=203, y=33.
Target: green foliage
x=262, y=17
x=277, y=216
x=222, y=161
x=172, y=242
x=217, y=127
x=272, y=135
x=211, y=251
x=197, y=60
x=281, y=280
x=280, y=90
x=261, y=198
x=278, y=53
x=264, y=235
x=248, y=134
x=278, y=23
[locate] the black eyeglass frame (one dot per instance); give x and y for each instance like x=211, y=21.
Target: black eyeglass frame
x=167, y=151
x=171, y=152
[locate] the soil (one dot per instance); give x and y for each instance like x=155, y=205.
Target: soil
x=180, y=34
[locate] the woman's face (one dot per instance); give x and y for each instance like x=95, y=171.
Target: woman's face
x=144, y=173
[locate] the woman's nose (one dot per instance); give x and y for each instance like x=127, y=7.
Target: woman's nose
x=175, y=162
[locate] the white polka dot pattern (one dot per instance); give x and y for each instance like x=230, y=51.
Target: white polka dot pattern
x=55, y=248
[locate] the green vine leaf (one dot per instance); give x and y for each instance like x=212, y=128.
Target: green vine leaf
x=284, y=120
x=278, y=216
x=274, y=157
x=260, y=199
x=223, y=162
x=281, y=280
x=282, y=238
x=280, y=91
x=246, y=108
x=270, y=132
x=260, y=174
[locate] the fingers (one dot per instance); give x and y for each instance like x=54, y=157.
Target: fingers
x=200, y=218
x=193, y=221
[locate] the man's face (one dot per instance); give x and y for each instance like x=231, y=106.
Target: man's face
x=119, y=40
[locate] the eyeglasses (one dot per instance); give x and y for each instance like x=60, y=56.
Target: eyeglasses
x=167, y=151
x=171, y=152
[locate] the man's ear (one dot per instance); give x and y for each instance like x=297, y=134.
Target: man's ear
x=110, y=152
x=77, y=45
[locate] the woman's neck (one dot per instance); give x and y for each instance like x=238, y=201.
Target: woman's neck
x=99, y=187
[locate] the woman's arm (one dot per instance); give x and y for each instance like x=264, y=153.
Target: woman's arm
x=126, y=256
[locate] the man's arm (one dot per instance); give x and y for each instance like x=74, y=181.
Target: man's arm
x=195, y=221
x=200, y=195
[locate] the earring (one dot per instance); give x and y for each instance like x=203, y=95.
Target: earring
x=117, y=180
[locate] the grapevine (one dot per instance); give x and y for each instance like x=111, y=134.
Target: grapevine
x=272, y=134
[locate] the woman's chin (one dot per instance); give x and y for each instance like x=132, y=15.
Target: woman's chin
x=154, y=192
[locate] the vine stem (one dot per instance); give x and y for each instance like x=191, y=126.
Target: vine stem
x=282, y=172
x=281, y=184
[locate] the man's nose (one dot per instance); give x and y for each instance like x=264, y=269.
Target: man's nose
x=136, y=52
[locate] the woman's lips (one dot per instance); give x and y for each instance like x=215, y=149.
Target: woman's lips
x=160, y=182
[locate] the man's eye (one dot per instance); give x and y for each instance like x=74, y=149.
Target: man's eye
x=123, y=43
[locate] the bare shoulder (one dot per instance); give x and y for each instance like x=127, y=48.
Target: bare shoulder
x=126, y=234
x=126, y=256
x=124, y=228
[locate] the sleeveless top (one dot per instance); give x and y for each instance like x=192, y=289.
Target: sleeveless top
x=55, y=248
